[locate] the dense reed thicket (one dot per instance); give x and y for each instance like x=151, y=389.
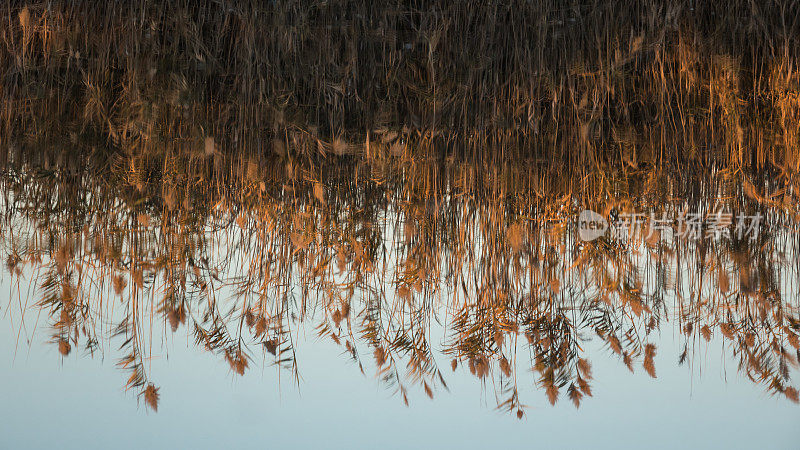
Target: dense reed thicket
x=585, y=85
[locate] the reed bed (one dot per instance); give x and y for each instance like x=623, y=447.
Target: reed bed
x=595, y=85
x=243, y=169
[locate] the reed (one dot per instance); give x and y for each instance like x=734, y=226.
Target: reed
x=244, y=168
x=584, y=85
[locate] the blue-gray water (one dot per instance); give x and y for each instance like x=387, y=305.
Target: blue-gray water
x=78, y=402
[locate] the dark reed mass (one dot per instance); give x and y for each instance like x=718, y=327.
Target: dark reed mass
x=589, y=85
x=409, y=180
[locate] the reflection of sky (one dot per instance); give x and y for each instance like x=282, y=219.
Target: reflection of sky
x=78, y=402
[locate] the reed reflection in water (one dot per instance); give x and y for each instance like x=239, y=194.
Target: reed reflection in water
x=261, y=199
x=417, y=272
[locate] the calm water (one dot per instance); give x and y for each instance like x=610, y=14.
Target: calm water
x=395, y=303
x=354, y=224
